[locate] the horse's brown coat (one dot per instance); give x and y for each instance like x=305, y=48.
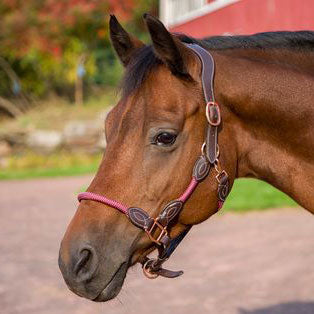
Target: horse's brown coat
x=266, y=98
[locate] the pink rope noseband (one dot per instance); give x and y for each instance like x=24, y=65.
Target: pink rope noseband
x=104, y=200
x=189, y=190
x=123, y=208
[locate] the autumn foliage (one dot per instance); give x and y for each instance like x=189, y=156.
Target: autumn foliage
x=44, y=41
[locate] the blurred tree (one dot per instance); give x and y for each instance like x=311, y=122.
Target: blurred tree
x=44, y=41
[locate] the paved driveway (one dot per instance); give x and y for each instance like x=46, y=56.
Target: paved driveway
x=255, y=263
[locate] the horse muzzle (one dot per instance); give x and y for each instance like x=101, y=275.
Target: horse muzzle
x=89, y=273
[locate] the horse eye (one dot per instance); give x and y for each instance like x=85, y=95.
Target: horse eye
x=165, y=138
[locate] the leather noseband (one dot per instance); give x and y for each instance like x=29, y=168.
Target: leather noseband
x=157, y=228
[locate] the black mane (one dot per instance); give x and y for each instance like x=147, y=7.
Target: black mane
x=287, y=40
x=145, y=60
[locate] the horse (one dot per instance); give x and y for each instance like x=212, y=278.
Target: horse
x=259, y=125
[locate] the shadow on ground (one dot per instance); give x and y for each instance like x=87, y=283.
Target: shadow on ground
x=284, y=308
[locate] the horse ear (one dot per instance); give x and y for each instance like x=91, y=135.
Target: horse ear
x=124, y=44
x=167, y=47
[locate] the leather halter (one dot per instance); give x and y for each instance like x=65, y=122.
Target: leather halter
x=157, y=228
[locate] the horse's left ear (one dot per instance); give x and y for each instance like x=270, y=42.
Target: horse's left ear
x=124, y=44
x=167, y=47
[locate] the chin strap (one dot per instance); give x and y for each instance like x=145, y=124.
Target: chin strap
x=152, y=267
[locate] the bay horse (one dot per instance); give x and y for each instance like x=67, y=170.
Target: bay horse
x=260, y=124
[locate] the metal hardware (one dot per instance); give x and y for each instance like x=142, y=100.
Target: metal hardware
x=203, y=149
x=217, y=166
x=213, y=113
x=155, y=226
x=147, y=272
x=220, y=174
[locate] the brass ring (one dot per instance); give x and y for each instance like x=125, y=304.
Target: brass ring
x=147, y=273
x=203, y=149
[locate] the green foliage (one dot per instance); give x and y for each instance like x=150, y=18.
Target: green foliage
x=109, y=69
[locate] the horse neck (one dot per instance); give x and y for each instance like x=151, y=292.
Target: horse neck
x=268, y=110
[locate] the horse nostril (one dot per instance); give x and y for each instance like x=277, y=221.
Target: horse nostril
x=85, y=255
x=86, y=264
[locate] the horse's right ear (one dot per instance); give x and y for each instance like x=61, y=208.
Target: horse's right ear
x=169, y=48
x=124, y=44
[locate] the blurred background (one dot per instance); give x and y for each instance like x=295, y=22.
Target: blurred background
x=59, y=75
x=59, y=78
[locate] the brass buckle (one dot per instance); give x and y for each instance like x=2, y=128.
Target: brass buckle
x=156, y=225
x=220, y=175
x=213, y=113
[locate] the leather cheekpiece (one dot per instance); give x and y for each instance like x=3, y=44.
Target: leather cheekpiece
x=223, y=186
x=201, y=168
x=140, y=218
x=170, y=212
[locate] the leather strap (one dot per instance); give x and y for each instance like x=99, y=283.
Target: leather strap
x=208, y=70
x=211, y=144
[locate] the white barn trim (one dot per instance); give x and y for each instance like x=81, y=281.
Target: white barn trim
x=174, y=12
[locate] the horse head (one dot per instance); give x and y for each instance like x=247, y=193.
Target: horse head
x=154, y=136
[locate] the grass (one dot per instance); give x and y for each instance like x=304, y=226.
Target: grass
x=54, y=114
x=57, y=112
x=31, y=165
x=248, y=194
x=52, y=172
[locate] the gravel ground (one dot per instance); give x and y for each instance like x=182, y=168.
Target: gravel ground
x=254, y=263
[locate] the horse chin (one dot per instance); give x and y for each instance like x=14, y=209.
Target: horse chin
x=113, y=287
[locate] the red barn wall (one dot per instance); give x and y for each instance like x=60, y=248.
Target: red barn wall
x=252, y=16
